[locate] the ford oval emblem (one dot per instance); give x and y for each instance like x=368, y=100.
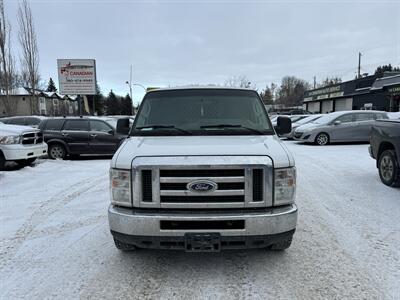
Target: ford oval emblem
x=202, y=186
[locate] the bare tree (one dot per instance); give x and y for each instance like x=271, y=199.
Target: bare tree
x=239, y=81
x=30, y=52
x=8, y=77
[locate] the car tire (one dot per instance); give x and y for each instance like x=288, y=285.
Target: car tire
x=389, y=169
x=322, y=139
x=282, y=245
x=2, y=161
x=57, y=151
x=26, y=162
x=123, y=246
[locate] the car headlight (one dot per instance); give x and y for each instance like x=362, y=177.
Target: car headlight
x=10, y=139
x=285, y=186
x=120, y=184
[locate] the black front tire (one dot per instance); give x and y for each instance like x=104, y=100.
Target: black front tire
x=389, y=169
x=123, y=246
x=57, y=151
x=2, y=161
x=322, y=139
x=26, y=162
x=282, y=245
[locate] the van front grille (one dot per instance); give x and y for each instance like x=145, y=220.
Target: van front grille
x=211, y=187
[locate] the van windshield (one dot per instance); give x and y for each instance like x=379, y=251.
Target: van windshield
x=202, y=112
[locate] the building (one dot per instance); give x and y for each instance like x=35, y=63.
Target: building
x=43, y=103
x=369, y=92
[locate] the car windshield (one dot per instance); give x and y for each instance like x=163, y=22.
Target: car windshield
x=202, y=112
x=308, y=119
x=325, y=119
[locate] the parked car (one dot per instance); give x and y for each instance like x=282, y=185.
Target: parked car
x=203, y=170
x=341, y=126
x=21, y=144
x=76, y=136
x=385, y=148
x=296, y=124
x=32, y=121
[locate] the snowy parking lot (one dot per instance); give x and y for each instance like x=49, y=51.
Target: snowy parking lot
x=55, y=241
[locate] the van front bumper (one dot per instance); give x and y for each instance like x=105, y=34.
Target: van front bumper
x=145, y=228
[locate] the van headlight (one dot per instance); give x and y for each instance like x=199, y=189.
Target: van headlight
x=120, y=184
x=285, y=186
x=10, y=139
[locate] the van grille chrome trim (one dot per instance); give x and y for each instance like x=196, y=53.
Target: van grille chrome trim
x=171, y=178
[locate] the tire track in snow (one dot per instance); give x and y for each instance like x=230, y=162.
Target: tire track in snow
x=10, y=246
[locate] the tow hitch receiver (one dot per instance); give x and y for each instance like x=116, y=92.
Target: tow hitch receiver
x=202, y=242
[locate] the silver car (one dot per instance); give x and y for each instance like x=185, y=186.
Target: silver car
x=298, y=123
x=341, y=126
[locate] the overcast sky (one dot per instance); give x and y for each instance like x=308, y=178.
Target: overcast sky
x=203, y=42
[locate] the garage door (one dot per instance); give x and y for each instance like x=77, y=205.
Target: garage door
x=313, y=107
x=344, y=104
x=327, y=106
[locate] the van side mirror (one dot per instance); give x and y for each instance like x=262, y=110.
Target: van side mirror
x=123, y=126
x=337, y=123
x=283, y=125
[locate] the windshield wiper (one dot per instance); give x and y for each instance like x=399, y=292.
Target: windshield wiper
x=164, y=127
x=232, y=126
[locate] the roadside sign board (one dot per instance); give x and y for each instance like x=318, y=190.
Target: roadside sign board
x=77, y=76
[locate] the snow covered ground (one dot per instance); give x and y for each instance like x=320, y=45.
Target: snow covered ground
x=55, y=241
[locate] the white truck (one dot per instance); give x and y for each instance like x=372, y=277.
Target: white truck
x=203, y=170
x=21, y=144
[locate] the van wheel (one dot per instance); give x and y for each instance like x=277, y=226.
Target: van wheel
x=282, y=245
x=388, y=166
x=57, y=151
x=123, y=246
x=322, y=139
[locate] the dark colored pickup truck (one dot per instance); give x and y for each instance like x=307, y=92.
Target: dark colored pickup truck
x=385, y=148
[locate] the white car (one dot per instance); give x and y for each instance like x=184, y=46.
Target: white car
x=21, y=144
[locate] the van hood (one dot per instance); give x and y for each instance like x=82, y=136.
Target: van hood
x=202, y=145
x=15, y=129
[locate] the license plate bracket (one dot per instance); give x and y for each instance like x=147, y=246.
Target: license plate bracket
x=202, y=242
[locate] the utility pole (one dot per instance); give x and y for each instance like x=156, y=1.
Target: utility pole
x=359, y=65
x=129, y=83
x=315, y=82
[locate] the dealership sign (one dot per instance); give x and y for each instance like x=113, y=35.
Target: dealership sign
x=77, y=76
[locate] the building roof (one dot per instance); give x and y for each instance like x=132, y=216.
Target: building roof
x=380, y=83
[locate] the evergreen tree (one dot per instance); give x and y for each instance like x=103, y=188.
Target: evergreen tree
x=112, y=104
x=386, y=68
x=99, y=102
x=126, y=105
x=51, y=87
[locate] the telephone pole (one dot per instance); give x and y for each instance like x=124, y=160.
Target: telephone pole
x=359, y=65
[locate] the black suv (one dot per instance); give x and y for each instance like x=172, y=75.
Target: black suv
x=76, y=135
